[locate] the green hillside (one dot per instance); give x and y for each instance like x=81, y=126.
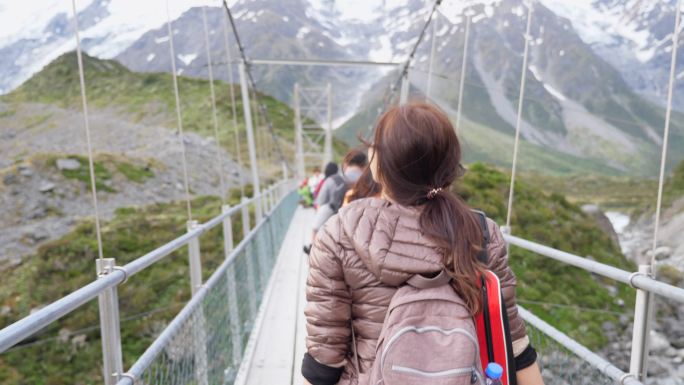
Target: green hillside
x=66, y=264
x=551, y=220
x=482, y=143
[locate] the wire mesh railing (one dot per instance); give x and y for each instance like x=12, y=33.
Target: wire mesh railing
x=205, y=342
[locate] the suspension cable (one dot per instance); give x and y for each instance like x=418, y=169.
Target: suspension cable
x=261, y=108
x=86, y=121
x=518, y=121
x=179, y=117
x=407, y=64
x=433, y=44
x=219, y=156
x=666, y=132
x=231, y=80
x=464, y=64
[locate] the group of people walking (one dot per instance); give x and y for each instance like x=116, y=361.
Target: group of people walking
x=404, y=278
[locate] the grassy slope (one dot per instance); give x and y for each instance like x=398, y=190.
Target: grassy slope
x=144, y=95
x=68, y=263
x=550, y=219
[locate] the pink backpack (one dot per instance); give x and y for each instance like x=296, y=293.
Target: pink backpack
x=428, y=337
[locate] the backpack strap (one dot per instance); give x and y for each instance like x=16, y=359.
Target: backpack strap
x=483, y=255
x=422, y=282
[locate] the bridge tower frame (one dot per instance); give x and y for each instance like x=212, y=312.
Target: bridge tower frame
x=313, y=138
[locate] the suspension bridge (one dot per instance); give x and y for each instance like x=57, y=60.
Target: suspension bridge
x=245, y=323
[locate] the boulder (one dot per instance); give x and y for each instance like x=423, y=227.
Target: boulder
x=658, y=342
x=68, y=164
x=46, y=186
x=662, y=252
x=25, y=170
x=9, y=179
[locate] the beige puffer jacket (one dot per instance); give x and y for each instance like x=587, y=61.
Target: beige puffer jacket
x=358, y=260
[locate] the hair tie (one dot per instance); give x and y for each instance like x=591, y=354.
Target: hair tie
x=433, y=193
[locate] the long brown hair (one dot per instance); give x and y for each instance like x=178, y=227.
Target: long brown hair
x=417, y=151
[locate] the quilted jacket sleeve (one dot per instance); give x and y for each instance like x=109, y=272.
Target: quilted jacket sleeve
x=498, y=263
x=328, y=308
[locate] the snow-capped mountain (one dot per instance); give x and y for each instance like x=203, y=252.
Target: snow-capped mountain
x=634, y=36
x=32, y=34
x=577, y=102
x=596, y=77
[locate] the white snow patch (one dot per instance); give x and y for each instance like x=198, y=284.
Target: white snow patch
x=150, y=57
x=286, y=19
x=535, y=72
x=554, y=92
x=384, y=51
x=607, y=26
x=453, y=10
x=187, y=59
x=561, y=52
x=162, y=39
x=303, y=32
x=478, y=17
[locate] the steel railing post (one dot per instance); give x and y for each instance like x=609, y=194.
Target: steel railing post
x=245, y=217
x=234, y=314
x=199, y=331
x=194, y=259
x=285, y=172
x=110, y=331
x=258, y=209
x=248, y=260
x=244, y=90
x=643, y=313
x=300, y=168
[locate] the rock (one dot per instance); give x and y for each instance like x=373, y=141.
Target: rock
x=656, y=367
x=46, y=186
x=68, y=164
x=79, y=341
x=64, y=335
x=5, y=310
x=671, y=352
x=658, y=342
x=624, y=320
x=662, y=252
x=25, y=170
x=9, y=179
x=608, y=326
x=678, y=343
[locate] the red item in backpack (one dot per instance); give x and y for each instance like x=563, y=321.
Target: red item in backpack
x=493, y=333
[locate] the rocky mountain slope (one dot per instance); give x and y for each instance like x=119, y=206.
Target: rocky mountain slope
x=44, y=184
x=595, y=78
x=576, y=103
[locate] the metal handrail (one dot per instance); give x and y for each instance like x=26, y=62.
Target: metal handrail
x=170, y=330
x=578, y=349
x=29, y=325
x=636, y=279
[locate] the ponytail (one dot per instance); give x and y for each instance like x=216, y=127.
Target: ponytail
x=450, y=223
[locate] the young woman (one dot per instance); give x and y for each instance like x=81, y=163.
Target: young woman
x=374, y=245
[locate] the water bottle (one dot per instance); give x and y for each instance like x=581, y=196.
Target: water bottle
x=493, y=373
